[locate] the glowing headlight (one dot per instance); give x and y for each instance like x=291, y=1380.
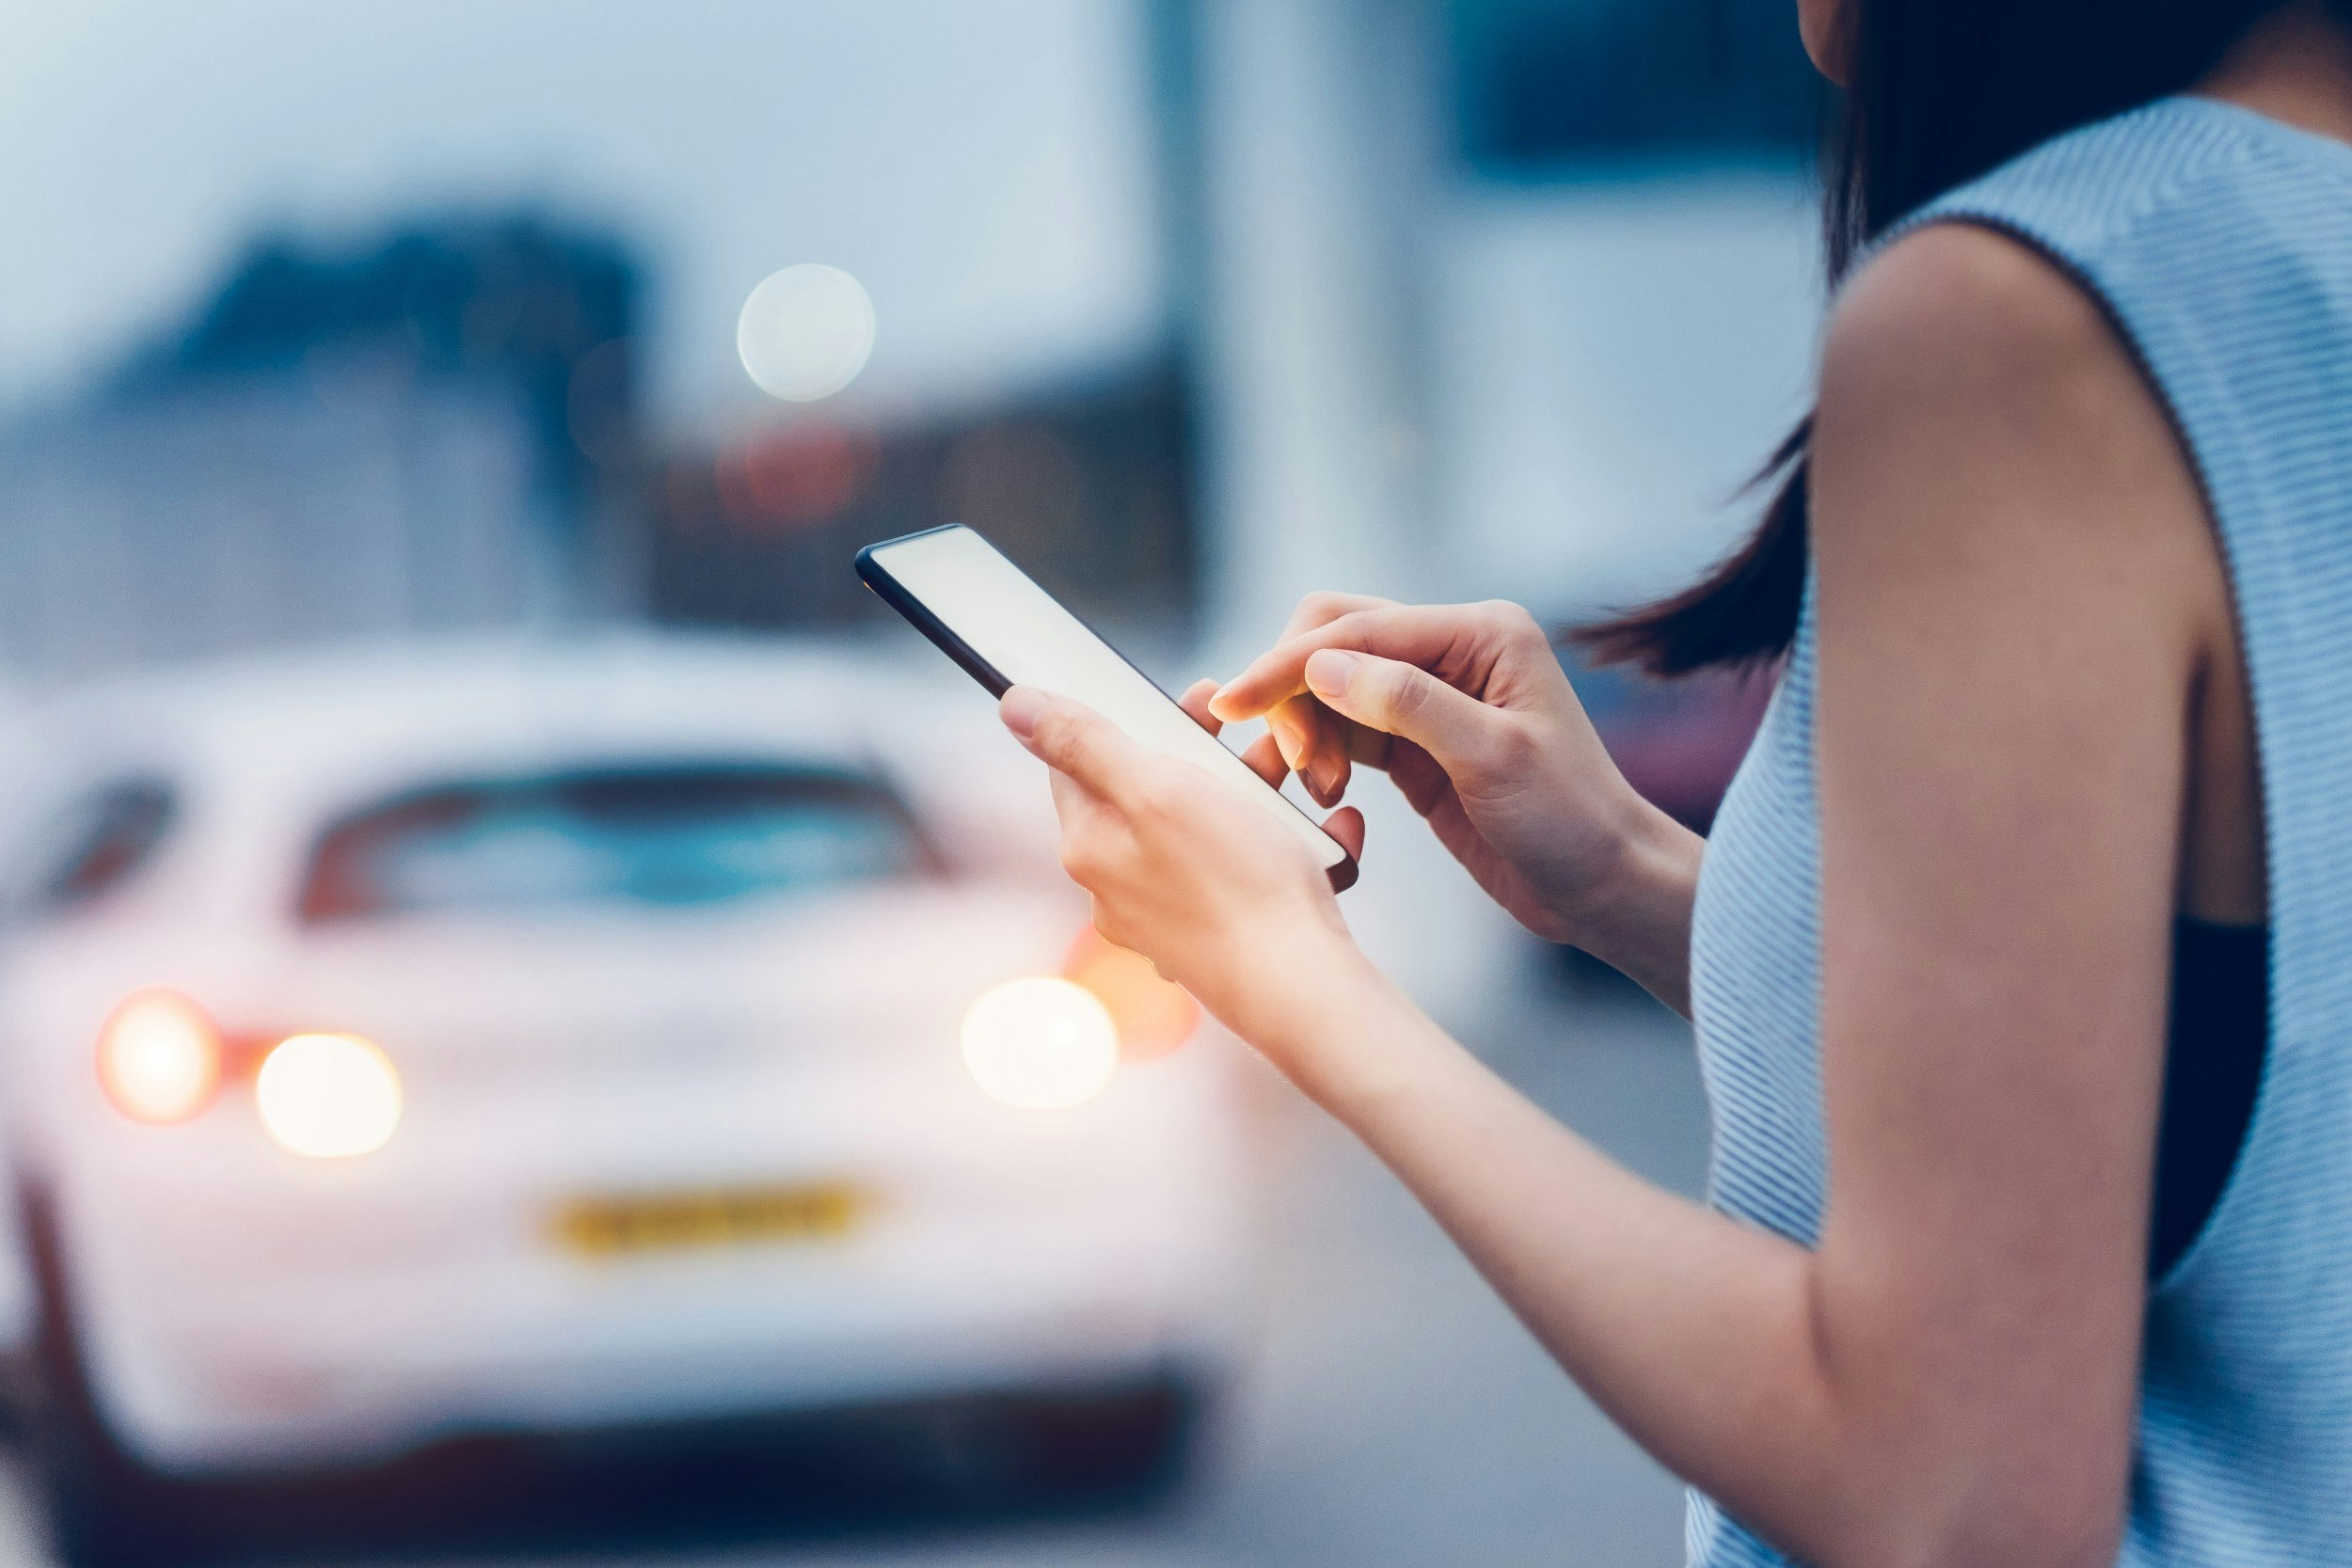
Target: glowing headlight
x=159, y=1057
x=1040, y=1044
x=328, y=1096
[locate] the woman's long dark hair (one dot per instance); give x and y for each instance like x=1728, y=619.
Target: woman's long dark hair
x=1937, y=92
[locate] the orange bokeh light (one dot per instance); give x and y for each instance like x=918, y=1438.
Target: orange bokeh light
x=1154, y=1016
x=159, y=1057
x=794, y=475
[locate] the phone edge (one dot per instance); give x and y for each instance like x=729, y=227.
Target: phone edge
x=891, y=591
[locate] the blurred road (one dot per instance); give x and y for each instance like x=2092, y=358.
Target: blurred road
x=1396, y=1414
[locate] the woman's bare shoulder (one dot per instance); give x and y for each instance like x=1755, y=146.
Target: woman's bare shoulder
x=1956, y=313
x=1968, y=375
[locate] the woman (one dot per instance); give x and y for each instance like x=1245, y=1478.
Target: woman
x=2008, y=1262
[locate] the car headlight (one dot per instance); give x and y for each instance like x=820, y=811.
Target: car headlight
x=1041, y=1044
x=328, y=1096
x=159, y=1057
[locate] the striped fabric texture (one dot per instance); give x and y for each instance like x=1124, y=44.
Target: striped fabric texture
x=2220, y=243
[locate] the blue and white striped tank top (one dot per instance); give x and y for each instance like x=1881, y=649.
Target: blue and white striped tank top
x=2220, y=243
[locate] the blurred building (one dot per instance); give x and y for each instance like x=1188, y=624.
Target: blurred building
x=1088, y=484
x=431, y=431
x=1491, y=296
x=1623, y=306
x=1544, y=86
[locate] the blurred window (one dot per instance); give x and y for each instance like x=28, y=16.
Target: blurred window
x=1544, y=83
x=666, y=836
x=97, y=844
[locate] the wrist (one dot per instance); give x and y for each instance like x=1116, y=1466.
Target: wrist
x=1635, y=905
x=1314, y=1010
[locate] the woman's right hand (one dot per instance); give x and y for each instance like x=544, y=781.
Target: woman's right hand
x=1467, y=708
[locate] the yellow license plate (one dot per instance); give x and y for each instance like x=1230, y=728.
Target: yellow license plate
x=716, y=1217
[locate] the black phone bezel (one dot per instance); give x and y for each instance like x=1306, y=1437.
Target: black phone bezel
x=893, y=593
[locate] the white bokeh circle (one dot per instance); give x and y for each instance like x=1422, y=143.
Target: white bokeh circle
x=1041, y=1044
x=328, y=1096
x=805, y=332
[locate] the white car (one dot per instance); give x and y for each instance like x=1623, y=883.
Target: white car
x=491, y=1041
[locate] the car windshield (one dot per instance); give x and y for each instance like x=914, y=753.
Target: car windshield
x=668, y=835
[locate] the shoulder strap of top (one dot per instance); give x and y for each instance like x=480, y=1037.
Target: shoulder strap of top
x=2079, y=193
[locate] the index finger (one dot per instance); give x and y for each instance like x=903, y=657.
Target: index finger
x=1327, y=606
x=1419, y=635
x=1308, y=738
x=1195, y=701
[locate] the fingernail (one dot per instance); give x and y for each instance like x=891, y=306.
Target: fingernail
x=1323, y=778
x=1219, y=699
x=1329, y=670
x=1020, y=709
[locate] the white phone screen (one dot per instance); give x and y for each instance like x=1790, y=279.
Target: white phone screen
x=1025, y=635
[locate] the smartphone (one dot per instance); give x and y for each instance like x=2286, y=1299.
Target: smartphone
x=985, y=613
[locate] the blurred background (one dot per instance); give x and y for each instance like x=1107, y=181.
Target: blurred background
x=537, y=1021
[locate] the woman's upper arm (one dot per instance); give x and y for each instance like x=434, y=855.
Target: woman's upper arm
x=2014, y=571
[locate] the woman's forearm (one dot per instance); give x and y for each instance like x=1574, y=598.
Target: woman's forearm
x=1696, y=1334
x=1637, y=919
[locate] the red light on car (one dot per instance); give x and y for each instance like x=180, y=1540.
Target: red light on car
x=159, y=1057
x=1154, y=1016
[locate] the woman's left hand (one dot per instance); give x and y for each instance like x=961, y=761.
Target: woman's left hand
x=1187, y=873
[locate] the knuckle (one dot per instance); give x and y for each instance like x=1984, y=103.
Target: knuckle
x=1158, y=799
x=1343, y=632
x=1406, y=693
x=1503, y=616
x=1082, y=859
x=1323, y=605
x=1071, y=747
x=1512, y=748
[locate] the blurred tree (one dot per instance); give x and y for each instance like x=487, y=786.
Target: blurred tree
x=549, y=315
x=426, y=430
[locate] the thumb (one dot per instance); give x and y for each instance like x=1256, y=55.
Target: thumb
x=1070, y=738
x=1400, y=699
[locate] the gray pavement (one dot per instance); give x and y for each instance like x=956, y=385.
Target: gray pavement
x=1395, y=1414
